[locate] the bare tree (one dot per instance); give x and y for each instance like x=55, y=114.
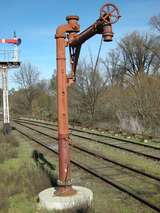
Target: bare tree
x=138, y=57
x=91, y=85
x=27, y=77
x=113, y=68
x=155, y=22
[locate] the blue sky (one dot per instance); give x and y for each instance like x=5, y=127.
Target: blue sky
x=35, y=21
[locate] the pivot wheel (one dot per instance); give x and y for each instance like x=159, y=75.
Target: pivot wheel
x=109, y=13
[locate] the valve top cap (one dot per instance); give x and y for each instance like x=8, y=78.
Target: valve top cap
x=72, y=17
x=73, y=21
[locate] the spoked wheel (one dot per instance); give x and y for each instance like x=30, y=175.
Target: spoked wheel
x=109, y=13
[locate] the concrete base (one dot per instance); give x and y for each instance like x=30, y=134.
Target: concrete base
x=79, y=202
x=7, y=128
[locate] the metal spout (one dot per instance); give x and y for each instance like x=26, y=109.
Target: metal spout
x=107, y=33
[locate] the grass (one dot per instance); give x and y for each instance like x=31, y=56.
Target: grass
x=107, y=198
x=8, y=147
x=20, y=178
x=139, y=162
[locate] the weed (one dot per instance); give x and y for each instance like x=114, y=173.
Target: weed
x=20, y=178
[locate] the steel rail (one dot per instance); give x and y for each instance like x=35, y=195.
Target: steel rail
x=116, y=138
x=111, y=145
x=144, y=135
x=100, y=135
x=119, y=147
x=99, y=176
x=99, y=155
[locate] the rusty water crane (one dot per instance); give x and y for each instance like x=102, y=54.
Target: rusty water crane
x=9, y=60
x=67, y=36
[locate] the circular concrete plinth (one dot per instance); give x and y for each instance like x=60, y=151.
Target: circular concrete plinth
x=81, y=201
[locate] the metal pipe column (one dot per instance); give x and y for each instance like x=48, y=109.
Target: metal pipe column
x=5, y=96
x=6, y=119
x=64, y=181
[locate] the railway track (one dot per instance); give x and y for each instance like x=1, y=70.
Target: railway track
x=103, y=135
x=99, y=155
x=137, y=136
x=135, y=148
x=99, y=159
x=155, y=145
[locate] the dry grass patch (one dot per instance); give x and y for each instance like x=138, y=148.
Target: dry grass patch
x=20, y=178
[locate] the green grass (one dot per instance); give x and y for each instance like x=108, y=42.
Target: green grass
x=139, y=162
x=8, y=147
x=20, y=178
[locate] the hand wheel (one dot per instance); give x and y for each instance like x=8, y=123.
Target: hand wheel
x=109, y=13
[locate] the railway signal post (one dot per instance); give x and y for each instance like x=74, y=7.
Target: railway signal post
x=9, y=60
x=66, y=196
